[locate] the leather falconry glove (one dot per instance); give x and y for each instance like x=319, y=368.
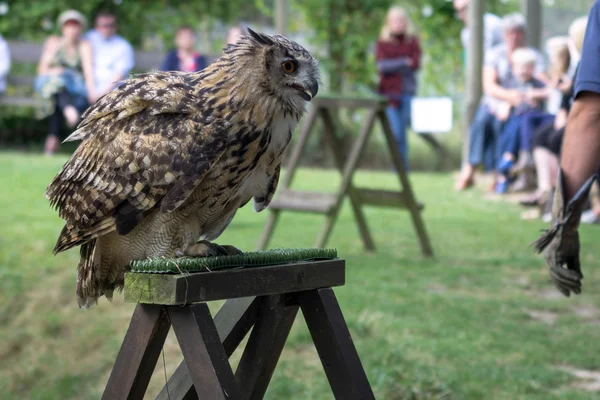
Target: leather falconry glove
x=560, y=243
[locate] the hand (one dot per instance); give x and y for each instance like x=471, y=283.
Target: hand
x=565, y=85
x=503, y=111
x=560, y=120
x=560, y=243
x=56, y=71
x=408, y=61
x=515, y=97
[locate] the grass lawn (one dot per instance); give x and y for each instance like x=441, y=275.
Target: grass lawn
x=480, y=321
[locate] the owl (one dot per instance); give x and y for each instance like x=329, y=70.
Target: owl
x=167, y=158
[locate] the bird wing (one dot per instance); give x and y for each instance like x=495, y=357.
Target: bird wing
x=145, y=145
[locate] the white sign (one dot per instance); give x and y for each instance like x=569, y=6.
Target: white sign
x=431, y=114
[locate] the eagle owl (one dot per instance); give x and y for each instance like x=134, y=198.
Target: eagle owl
x=167, y=158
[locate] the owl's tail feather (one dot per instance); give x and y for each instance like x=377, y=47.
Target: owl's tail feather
x=91, y=283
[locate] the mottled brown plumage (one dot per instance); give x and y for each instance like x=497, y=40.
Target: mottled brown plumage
x=167, y=158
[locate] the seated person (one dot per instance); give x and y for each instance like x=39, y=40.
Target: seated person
x=4, y=63
x=65, y=76
x=184, y=57
x=534, y=93
x=485, y=126
x=559, y=83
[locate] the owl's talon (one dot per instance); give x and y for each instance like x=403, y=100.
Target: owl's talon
x=204, y=248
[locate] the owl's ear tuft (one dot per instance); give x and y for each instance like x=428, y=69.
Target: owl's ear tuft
x=261, y=38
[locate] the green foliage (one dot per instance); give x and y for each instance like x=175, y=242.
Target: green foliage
x=346, y=31
x=138, y=20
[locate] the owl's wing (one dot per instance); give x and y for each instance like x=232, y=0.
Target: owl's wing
x=146, y=145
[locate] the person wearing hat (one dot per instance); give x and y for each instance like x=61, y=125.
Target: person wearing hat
x=65, y=77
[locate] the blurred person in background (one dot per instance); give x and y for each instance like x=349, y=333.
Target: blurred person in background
x=497, y=72
x=65, y=76
x=113, y=55
x=547, y=140
x=184, y=57
x=519, y=130
x=511, y=139
x=234, y=34
x=4, y=63
x=492, y=28
x=398, y=56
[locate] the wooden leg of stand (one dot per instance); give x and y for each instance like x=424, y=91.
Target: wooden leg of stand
x=336, y=350
x=138, y=355
x=233, y=321
x=203, y=352
x=409, y=196
x=264, y=346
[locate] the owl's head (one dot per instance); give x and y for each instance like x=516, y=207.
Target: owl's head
x=291, y=72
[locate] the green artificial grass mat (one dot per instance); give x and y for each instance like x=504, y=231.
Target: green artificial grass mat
x=245, y=260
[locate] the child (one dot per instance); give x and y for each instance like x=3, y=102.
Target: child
x=534, y=93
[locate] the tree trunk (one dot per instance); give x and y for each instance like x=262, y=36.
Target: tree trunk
x=335, y=47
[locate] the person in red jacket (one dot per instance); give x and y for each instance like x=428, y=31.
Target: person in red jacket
x=398, y=56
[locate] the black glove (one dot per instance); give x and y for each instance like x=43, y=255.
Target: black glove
x=560, y=243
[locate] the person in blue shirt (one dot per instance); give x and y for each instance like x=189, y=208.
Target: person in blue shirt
x=579, y=165
x=185, y=57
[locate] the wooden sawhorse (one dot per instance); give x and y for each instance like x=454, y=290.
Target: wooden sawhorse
x=330, y=204
x=264, y=299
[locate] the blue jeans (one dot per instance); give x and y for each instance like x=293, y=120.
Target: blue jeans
x=399, y=118
x=529, y=123
x=483, y=135
x=510, y=137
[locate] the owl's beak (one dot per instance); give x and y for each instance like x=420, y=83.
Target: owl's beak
x=312, y=90
x=309, y=91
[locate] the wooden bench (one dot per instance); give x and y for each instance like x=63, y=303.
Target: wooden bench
x=29, y=53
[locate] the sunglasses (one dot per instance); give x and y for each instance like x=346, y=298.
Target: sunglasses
x=111, y=25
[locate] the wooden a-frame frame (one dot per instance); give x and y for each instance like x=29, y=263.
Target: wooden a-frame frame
x=330, y=204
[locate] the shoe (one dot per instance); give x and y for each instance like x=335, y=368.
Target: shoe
x=530, y=201
x=525, y=162
x=504, y=166
x=502, y=187
x=589, y=217
x=464, y=183
x=547, y=218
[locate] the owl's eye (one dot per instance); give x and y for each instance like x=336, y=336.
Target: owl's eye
x=288, y=66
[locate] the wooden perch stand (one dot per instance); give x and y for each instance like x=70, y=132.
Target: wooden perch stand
x=263, y=300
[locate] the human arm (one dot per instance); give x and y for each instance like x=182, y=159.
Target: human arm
x=503, y=111
x=565, y=104
x=85, y=49
x=580, y=156
x=48, y=54
x=580, y=160
x=393, y=65
x=491, y=87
